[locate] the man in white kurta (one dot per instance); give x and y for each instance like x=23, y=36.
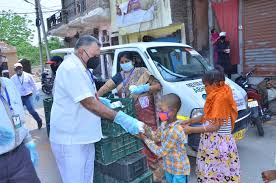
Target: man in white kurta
x=76, y=114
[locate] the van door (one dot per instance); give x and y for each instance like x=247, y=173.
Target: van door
x=104, y=69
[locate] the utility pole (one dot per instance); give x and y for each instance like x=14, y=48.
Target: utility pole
x=37, y=23
x=37, y=3
x=210, y=25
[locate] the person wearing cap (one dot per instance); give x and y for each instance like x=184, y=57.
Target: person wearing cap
x=223, y=50
x=18, y=153
x=54, y=62
x=26, y=86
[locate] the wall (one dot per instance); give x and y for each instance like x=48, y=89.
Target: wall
x=12, y=59
x=135, y=37
x=201, y=35
x=182, y=12
x=151, y=15
x=92, y=4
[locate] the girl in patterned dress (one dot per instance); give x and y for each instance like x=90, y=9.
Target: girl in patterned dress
x=217, y=157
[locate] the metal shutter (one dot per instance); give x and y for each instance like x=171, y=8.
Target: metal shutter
x=260, y=36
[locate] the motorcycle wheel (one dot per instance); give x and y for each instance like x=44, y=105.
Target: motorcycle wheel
x=259, y=125
x=47, y=90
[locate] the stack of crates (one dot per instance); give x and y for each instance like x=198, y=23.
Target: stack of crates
x=118, y=159
x=47, y=103
x=117, y=155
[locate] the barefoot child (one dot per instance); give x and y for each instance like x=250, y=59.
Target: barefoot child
x=269, y=176
x=172, y=136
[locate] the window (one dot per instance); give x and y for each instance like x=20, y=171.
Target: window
x=178, y=63
x=104, y=70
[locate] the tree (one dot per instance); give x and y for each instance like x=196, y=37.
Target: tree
x=14, y=30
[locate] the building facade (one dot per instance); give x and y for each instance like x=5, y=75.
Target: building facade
x=79, y=17
x=250, y=26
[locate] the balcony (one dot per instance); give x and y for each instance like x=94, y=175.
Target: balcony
x=55, y=20
x=78, y=15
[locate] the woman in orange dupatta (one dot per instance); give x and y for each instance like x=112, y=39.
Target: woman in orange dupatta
x=217, y=157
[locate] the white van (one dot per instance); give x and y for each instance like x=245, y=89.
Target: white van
x=179, y=69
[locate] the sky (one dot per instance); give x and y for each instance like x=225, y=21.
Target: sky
x=20, y=6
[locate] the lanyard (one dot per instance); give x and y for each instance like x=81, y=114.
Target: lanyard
x=21, y=82
x=91, y=76
x=125, y=81
x=8, y=98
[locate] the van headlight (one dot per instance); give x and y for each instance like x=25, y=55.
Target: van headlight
x=196, y=112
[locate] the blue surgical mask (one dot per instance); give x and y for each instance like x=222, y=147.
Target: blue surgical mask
x=127, y=66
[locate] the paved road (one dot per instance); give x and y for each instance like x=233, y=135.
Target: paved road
x=256, y=153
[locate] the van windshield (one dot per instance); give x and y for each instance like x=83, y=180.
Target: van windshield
x=178, y=63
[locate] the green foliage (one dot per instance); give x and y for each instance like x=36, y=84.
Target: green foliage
x=14, y=30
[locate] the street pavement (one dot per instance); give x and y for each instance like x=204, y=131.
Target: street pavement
x=256, y=153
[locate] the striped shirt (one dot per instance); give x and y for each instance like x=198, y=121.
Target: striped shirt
x=172, y=148
x=225, y=128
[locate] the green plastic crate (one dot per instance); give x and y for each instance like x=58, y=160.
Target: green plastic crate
x=101, y=178
x=109, y=150
x=111, y=129
x=47, y=103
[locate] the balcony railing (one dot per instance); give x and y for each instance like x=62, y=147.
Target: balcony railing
x=72, y=10
x=55, y=20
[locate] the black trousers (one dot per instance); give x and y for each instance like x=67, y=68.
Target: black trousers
x=16, y=167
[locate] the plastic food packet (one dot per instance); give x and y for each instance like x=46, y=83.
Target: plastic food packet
x=117, y=104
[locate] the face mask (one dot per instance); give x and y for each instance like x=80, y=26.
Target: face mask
x=164, y=116
x=222, y=38
x=19, y=72
x=92, y=62
x=127, y=66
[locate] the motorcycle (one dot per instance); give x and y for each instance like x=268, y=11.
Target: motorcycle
x=258, y=112
x=47, y=83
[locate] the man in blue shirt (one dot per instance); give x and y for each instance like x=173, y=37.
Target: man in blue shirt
x=26, y=86
x=17, y=149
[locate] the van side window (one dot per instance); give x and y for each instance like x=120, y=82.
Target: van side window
x=136, y=58
x=108, y=61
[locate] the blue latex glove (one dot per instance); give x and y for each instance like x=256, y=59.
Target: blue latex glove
x=37, y=97
x=105, y=102
x=128, y=123
x=140, y=89
x=34, y=154
x=6, y=136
